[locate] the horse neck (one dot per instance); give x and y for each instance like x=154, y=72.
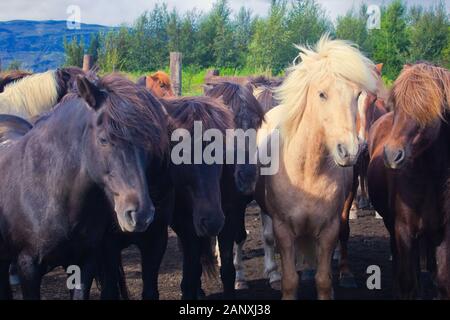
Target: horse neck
x=306, y=156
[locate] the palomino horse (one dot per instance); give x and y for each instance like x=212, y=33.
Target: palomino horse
x=238, y=180
x=33, y=95
x=86, y=155
x=158, y=83
x=12, y=76
x=318, y=145
x=409, y=174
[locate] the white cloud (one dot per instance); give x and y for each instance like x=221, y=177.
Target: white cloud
x=115, y=12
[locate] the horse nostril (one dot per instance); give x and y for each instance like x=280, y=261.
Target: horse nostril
x=400, y=156
x=342, y=151
x=130, y=217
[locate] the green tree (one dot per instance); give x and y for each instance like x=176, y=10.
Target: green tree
x=74, y=52
x=243, y=27
x=94, y=46
x=428, y=33
x=271, y=37
x=352, y=26
x=391, y=42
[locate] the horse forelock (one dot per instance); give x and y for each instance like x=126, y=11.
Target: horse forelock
x=240, y=101
x=328, y=58
x=422, y=91
x=132, y=114
x=184, y=112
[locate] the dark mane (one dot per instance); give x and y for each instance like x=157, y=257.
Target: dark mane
x=183, y=112
x=12, y=76
x=265, y=81
x=141, y=81
x=240, y=100
x=132, y=114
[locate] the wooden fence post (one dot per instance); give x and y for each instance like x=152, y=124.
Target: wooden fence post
x=87, y=62
x=176, y=72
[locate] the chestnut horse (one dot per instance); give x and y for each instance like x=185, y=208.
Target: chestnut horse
x=409, y=175
x=158, y=83
x=318, y=146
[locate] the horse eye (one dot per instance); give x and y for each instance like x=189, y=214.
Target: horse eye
x=322, y=95
x=103, y=141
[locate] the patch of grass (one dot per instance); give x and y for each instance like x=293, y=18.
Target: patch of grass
x=193, y=78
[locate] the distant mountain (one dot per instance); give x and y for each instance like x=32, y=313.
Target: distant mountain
x=38, y=45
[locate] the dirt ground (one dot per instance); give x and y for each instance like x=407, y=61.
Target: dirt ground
x=368, y=246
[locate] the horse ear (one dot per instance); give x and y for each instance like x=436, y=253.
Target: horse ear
x=89, y=92
x=380, y=67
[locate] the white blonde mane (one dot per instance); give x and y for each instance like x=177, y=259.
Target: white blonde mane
x=329, y=58
x=30, y=96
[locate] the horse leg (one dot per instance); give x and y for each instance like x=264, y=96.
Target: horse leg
x=152, y=253
x=346, y=278
x=192, y=268
x=241, y=282
x=270, y=266
x=109, y=265
x=326, y=244
x=286, y=245
x=88, y=273
x=227, y=270
x=407, y=261
x=30, y=276
x=443, y=263
x=5, y=287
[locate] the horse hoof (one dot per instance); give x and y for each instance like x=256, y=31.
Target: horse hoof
x=347, y=280
x=377, y=216
x=14, y=280
x=308, y=275
x=241, y=285
x=353, y=215
x=276, y=285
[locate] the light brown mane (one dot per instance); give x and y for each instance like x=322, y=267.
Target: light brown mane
x=422, y=91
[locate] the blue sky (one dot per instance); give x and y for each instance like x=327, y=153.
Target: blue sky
x=114, y=12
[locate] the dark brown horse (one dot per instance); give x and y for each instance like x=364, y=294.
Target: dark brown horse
x=409, y=173
x=371, y=107
x=80, y=166
x=187, y=197
x=239, y=180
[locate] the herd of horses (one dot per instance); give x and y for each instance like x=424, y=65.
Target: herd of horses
x=86, y=171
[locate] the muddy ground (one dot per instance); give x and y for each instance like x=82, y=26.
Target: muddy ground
x=368, y=246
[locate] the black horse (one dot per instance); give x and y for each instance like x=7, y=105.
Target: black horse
x=238, y=181
x=62, y=179
x=187, y=196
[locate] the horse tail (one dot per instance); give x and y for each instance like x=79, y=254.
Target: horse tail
x=124, y=292
x=208, y=258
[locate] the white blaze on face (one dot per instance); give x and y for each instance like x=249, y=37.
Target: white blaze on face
x=362, y=116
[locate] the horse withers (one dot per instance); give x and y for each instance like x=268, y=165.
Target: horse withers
x=408, y=176
x=59, y=180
